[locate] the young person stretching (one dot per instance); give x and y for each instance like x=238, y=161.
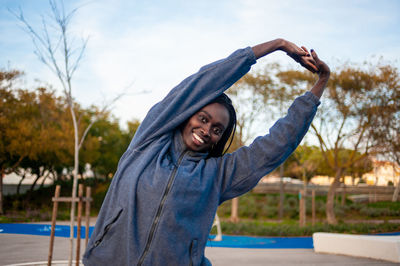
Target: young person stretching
x=161, y=203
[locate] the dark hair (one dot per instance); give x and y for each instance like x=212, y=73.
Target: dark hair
x=218, y=149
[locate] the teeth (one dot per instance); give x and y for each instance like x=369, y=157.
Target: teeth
x=198, y=138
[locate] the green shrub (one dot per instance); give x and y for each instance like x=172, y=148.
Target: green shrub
x=269, y=211
x=248, y=207
x=385, y=204
x=257, y=228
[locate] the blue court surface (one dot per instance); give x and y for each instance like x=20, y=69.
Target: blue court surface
x=227, y=241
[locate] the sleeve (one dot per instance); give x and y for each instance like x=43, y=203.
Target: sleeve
x=241, y=170
x=192, y=94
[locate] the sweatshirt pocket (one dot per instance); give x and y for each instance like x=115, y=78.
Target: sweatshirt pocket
x=193, y=252
x=108, y=224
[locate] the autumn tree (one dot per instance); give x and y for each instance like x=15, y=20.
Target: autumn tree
x=344, y=118
x=29, y=128
x=386, y=116
x=304, y=163
x=106, y=143
x=10, y=154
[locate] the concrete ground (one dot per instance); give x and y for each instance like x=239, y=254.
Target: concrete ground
x=25, y=249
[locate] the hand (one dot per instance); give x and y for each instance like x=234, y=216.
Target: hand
x=323, y=74
x=323, y=69
x=300, y=55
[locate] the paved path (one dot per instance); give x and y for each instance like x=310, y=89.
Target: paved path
x=18, y=249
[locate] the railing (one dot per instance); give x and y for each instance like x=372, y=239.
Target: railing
x=322, y=190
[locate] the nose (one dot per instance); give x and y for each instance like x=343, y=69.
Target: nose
x=205, y=130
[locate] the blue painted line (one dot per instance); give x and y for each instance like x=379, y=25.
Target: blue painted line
x=227, y=241
x=41, y=230
x=389, y=234
x=262, y=242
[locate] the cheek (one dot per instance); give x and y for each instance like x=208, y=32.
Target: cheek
x=188, y=127
x=216, y=139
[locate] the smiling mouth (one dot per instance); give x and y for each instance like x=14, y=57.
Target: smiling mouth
x=197, y=137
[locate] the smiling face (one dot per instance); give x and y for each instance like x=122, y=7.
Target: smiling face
x=205, y=128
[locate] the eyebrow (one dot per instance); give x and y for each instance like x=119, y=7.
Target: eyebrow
x=210, y=116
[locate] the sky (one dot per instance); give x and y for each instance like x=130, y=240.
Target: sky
x=145, y=48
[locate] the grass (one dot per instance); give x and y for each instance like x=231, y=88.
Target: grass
x=290, y=228
x=265, y=207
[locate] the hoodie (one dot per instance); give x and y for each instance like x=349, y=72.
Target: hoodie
x=162, y=200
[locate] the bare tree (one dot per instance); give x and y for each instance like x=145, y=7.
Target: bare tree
x=58, y=51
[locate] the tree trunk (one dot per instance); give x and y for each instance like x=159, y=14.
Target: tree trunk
x=1, y=192
x=343, y=202
x=74, y=184
x=303, y=201
x=55, y=175
x=330, y=199
x=396, y=191
x=235, y=210
x=44, y=178
x=305, y=182
x=302, y=208
x=20, y=182
x=38, y=174
x=281, y=193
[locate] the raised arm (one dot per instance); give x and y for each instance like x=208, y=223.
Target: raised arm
x=300, y=55
x=242, y=169
x=323, y=75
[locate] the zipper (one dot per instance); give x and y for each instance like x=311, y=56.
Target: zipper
x=193, y=251
x=191, y=254
x=105, y=231
x=159, y=210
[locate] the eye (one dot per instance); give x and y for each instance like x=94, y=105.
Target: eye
x=202, y=118
x=217, y=131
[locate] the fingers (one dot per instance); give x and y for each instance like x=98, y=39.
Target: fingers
x=314, y=55
x=302, y=52
x=305, y=49
x=310, y=67
x=299, y=51
x=303, y=57
x=323, y=69
x=309, y=63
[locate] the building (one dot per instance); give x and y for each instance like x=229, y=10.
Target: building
x=383, y=173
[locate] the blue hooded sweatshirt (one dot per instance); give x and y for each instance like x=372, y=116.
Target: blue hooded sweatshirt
x=162, y=200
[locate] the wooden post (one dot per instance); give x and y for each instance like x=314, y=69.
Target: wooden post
x=281, y=193
x=78, y=233
x=87, y=214
x=234, y=210
x=313, y=207
x=302, y=208
x=53, y=224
